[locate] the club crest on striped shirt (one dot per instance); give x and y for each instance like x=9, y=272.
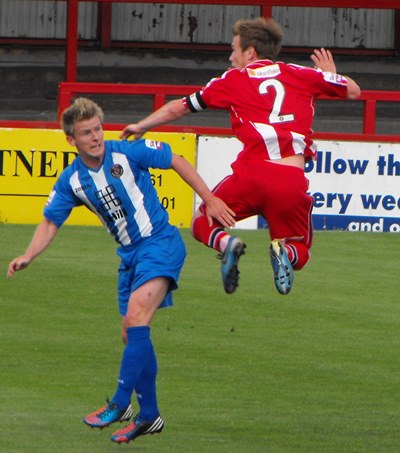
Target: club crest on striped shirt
x=117, y=170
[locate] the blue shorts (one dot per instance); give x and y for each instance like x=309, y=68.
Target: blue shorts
x=161, y=255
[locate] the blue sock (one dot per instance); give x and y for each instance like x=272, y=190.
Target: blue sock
x=146, y=388
x=133, y=360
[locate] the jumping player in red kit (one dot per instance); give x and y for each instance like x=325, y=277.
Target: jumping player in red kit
x=271, y=105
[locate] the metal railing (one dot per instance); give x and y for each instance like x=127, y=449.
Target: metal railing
x=160, y=93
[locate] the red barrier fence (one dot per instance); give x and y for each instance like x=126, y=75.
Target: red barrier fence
x=159, y=93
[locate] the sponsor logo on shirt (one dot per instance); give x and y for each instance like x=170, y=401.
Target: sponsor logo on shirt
x=80, y=188
x=153, y=144
x=117, y=170
x=334, y=78
x=111, y=204
x=264, y=72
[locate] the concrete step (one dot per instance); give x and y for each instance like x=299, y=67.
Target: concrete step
x=30, y=79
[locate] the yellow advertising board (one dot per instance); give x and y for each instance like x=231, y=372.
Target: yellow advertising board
x=32, y=159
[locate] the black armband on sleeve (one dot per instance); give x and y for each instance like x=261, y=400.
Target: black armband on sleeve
x=195, y=102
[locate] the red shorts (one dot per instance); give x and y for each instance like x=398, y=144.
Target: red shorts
x=275, y=191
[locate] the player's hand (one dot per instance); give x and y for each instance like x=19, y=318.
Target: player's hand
x=132, y=129
x=17, y=264
x=220, y=211
x=323, y=60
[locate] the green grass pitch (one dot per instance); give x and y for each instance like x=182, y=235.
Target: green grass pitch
x=316, y=371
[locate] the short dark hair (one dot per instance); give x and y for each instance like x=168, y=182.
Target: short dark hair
x=265, y=35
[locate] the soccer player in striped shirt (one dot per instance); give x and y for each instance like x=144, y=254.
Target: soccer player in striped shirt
x=112, y=179
x=271, y=106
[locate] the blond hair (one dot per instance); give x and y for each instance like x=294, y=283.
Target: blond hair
x=265, y=35
x=80, y=109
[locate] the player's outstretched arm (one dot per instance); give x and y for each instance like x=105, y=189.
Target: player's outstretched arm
x=169, y=112
x=43, y=236
x=353, y=90
x=215, y=207
x=323, y=60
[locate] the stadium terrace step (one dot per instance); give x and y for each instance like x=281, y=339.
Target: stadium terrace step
x=30, y=79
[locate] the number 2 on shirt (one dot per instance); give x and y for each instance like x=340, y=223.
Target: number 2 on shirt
x=275, y=115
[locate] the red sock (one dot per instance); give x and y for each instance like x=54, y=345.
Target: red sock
x=298, y=254
x=210, y=236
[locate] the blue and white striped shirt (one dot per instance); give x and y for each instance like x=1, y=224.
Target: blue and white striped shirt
x=119, y=192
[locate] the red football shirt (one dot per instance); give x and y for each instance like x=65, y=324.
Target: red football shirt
x=271, y=106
